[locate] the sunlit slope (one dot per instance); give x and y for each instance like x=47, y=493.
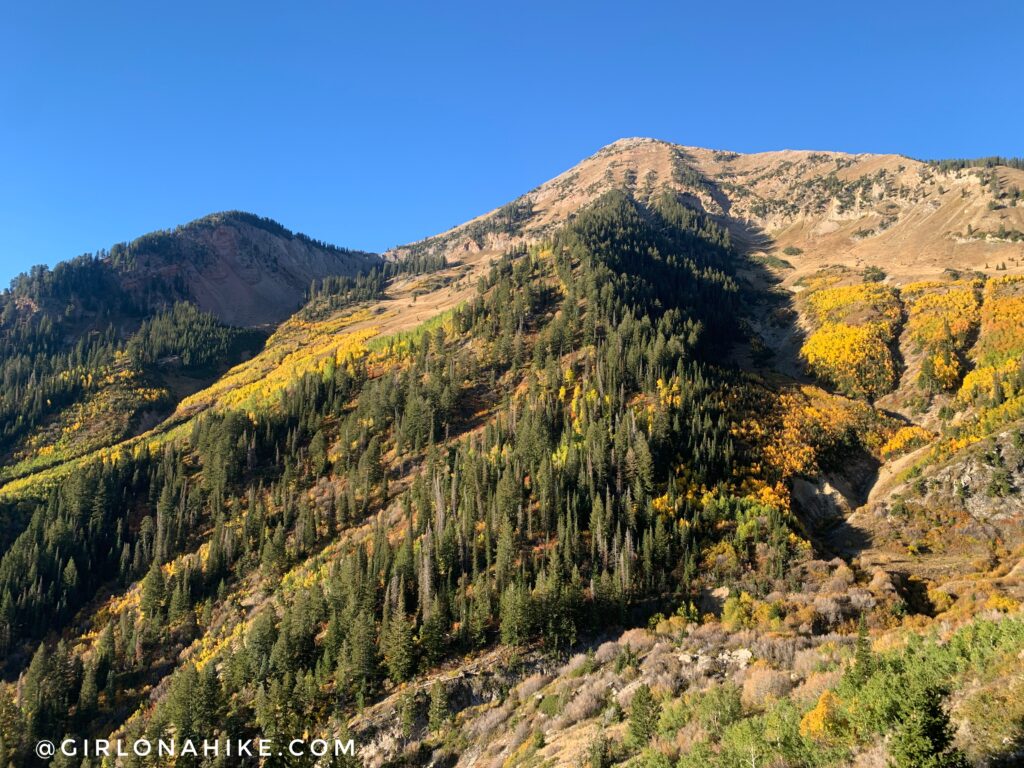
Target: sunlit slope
x=808, y=208
x=430, y=484
x=314, y=339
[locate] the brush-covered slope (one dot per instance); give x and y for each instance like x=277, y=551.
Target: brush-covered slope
x=594, y=479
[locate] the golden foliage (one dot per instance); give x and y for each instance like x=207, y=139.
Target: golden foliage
x=670, y=392
x=906, y=439
x=298, y=347
x=850, y=348
x=941, y=318
x=937, y=310
x=825, y=721
x=1002, y=321
x=855, y=304
x=854, y=358
x=1001, y=603
x=989, y=380
x=114, y=396
x=999, y=351
x=943, y=368
x=793, y=429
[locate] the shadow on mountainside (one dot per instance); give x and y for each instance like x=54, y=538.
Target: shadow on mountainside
x=771, y=348
x=769, y=318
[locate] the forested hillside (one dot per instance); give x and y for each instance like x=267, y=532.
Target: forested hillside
x=84, y=365
x=106, y=343
x=599, y=478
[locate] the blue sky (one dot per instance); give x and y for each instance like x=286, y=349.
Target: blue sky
x=374, y=124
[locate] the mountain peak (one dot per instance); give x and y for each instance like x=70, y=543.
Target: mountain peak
x=627, y=141
x=827, y=206
x=245, y=269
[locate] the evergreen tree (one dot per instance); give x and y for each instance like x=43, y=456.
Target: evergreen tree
x=362, y=665
x=644, y=712
x=153, y=588
x=432, y=635
x=89, y=694
x=438, y=711
x=863, y=658
x=398, y=645
x=924, y=738
x=515, y=615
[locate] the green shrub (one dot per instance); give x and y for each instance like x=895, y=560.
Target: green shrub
x=718, y=708
x=874, y=274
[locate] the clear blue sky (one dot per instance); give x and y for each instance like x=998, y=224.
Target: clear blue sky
x=372, y=124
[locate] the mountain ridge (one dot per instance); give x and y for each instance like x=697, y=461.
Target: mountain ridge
x=826, y=204
x=604, y=476
x=246, y=269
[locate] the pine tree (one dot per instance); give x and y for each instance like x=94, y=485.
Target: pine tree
x=179, y=604
x=644, y=712
x=863, y=659
x=515, y=615
x=318, y=453
x=407, y=712
x=479, y=612
x=432, y=635
x=37, y=694
x=89, y=693
x=153, y=588
x=438, y=712
x=924, y=738
x=12, y=728
x=398, y=645
x=362, y=654
x=506, y=553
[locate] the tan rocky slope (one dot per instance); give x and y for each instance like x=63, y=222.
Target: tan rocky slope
x=907, y=216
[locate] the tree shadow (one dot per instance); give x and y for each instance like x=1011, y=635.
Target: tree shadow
x=774, y=338
x=1011, y=753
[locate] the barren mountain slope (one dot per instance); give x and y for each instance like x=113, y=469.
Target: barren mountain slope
x=906, y=216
